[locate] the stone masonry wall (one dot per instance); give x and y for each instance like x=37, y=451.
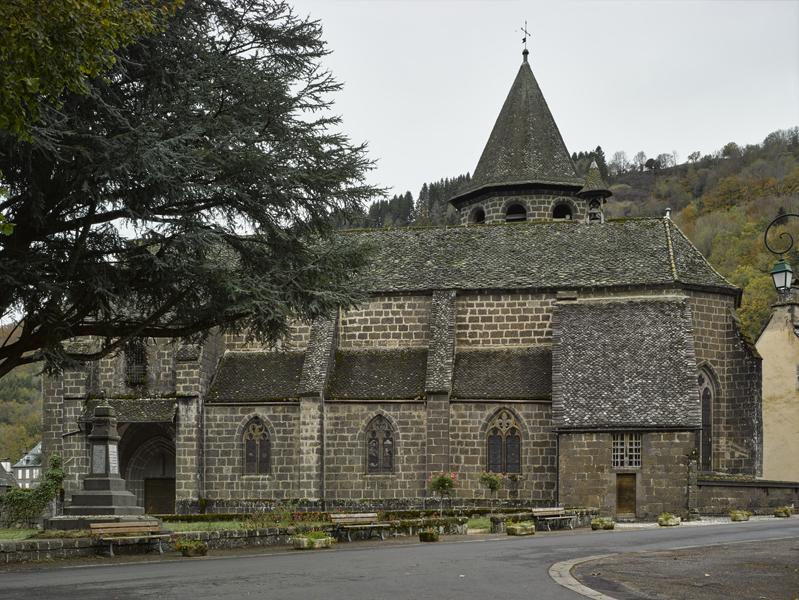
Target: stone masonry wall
x=722, y=350
x=345, y=451
x=503, y=319
x=719, y=498
x=469, y=422
x=539, y=206
x=587, y=477
x=224, y=452
x=387, y=321
x=298, y=340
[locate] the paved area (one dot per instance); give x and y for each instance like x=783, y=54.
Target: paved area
x=764, y=569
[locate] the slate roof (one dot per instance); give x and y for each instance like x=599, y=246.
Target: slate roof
x=7, y=479
x=594, y=185
x=31, y=459
x=257, y=376
x=626, y=363
x=506, y=373
x=537, y=255
x=372, y=374
x=134, y=410
x=525, y=146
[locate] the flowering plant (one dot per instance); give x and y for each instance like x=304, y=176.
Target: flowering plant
x=493, y=481
x=443, y=483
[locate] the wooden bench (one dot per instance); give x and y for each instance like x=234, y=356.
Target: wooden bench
x=553, y=516
x=136, y=530
x=350, y=521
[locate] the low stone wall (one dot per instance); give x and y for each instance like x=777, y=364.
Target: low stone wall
x=758, y=497
x=214, y=507
x=34, y=550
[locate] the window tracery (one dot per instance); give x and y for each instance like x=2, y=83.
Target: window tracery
x=256, y=449
x=504, y=445
x=379, y=447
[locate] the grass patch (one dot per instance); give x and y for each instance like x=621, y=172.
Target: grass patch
x=482, y=523
x=11, y=534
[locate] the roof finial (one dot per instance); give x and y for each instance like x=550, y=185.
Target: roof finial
x=524, y=41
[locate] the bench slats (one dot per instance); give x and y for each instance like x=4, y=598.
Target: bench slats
x=147, y=530
x=352, y=521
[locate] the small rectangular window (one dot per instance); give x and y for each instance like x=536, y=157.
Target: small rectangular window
x=626, y=450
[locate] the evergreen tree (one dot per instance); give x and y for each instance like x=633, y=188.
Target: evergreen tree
x=206, y=141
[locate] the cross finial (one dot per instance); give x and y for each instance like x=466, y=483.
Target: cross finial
x=524, y=41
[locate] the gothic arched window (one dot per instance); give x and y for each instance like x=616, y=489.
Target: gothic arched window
x=504, y=445
x=379, y=447
x=706, y=439
x=256, y=449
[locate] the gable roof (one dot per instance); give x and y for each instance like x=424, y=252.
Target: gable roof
x=537, y=255
x=525, y=147
x=624, y=363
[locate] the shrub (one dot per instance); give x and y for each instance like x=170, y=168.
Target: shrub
x=21, y=505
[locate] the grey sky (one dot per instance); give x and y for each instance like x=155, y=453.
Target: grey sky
x=424, y=81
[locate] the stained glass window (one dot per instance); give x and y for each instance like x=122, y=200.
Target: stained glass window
x=379, y=447
x=256, y=449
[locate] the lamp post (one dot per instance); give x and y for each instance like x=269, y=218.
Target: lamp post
x=781, y=272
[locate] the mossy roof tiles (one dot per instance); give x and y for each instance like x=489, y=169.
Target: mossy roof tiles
x=626, y=363
x=134, y=410
x=537, y=255
x=503, y=373
x=525, y=146
x=257, y=377
x=373, y=374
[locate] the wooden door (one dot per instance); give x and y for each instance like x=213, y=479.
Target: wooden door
x=625, y=493
x=159, y=496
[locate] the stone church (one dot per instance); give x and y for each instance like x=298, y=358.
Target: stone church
x=593, y=360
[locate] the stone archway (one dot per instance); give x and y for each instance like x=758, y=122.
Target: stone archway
x=150, y=474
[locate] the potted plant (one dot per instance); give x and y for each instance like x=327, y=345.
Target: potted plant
x=493, y=481
x=602, y=523
x=668, y=520
x=311, y=539
x=442, y=484
x=521, y=528
x=739, y=515
x=191, y=547
x=428, y=535
x=783, y=512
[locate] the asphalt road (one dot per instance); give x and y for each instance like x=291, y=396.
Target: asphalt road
x=496, y=567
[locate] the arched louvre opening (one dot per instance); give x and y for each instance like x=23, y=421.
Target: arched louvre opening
x=516, y=213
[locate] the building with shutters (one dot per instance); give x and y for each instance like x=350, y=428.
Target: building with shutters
x=599, y=362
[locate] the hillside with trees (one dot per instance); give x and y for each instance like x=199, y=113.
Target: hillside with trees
x=20, y=411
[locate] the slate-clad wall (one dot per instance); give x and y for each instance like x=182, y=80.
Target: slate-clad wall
x=345, y=451
x=224, y=452
x=538, y=206
x=387, y=321
x=736, y=370
x=503, y=319
x=587, y=477
x=469, y=423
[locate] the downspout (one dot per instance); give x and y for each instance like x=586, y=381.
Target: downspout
x=426, y=456
x=557, y=469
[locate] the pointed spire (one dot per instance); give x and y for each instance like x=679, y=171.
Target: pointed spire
x=594, y=186
x=525, y=146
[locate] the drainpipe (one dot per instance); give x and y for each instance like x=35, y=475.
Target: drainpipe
x=557, y=469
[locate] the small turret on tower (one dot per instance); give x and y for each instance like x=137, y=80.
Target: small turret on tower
x=595, y=193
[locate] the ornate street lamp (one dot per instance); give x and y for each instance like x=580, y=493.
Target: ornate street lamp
x=781, y=272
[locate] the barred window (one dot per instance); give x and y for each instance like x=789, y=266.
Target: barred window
x=135, y=363
x=626, y=450
x=379, y=447
x=256, y=449
x=504, y=445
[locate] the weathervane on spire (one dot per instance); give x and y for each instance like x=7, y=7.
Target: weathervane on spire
x=524, y=39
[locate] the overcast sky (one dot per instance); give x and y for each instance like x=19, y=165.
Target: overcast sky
x=425, y=80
